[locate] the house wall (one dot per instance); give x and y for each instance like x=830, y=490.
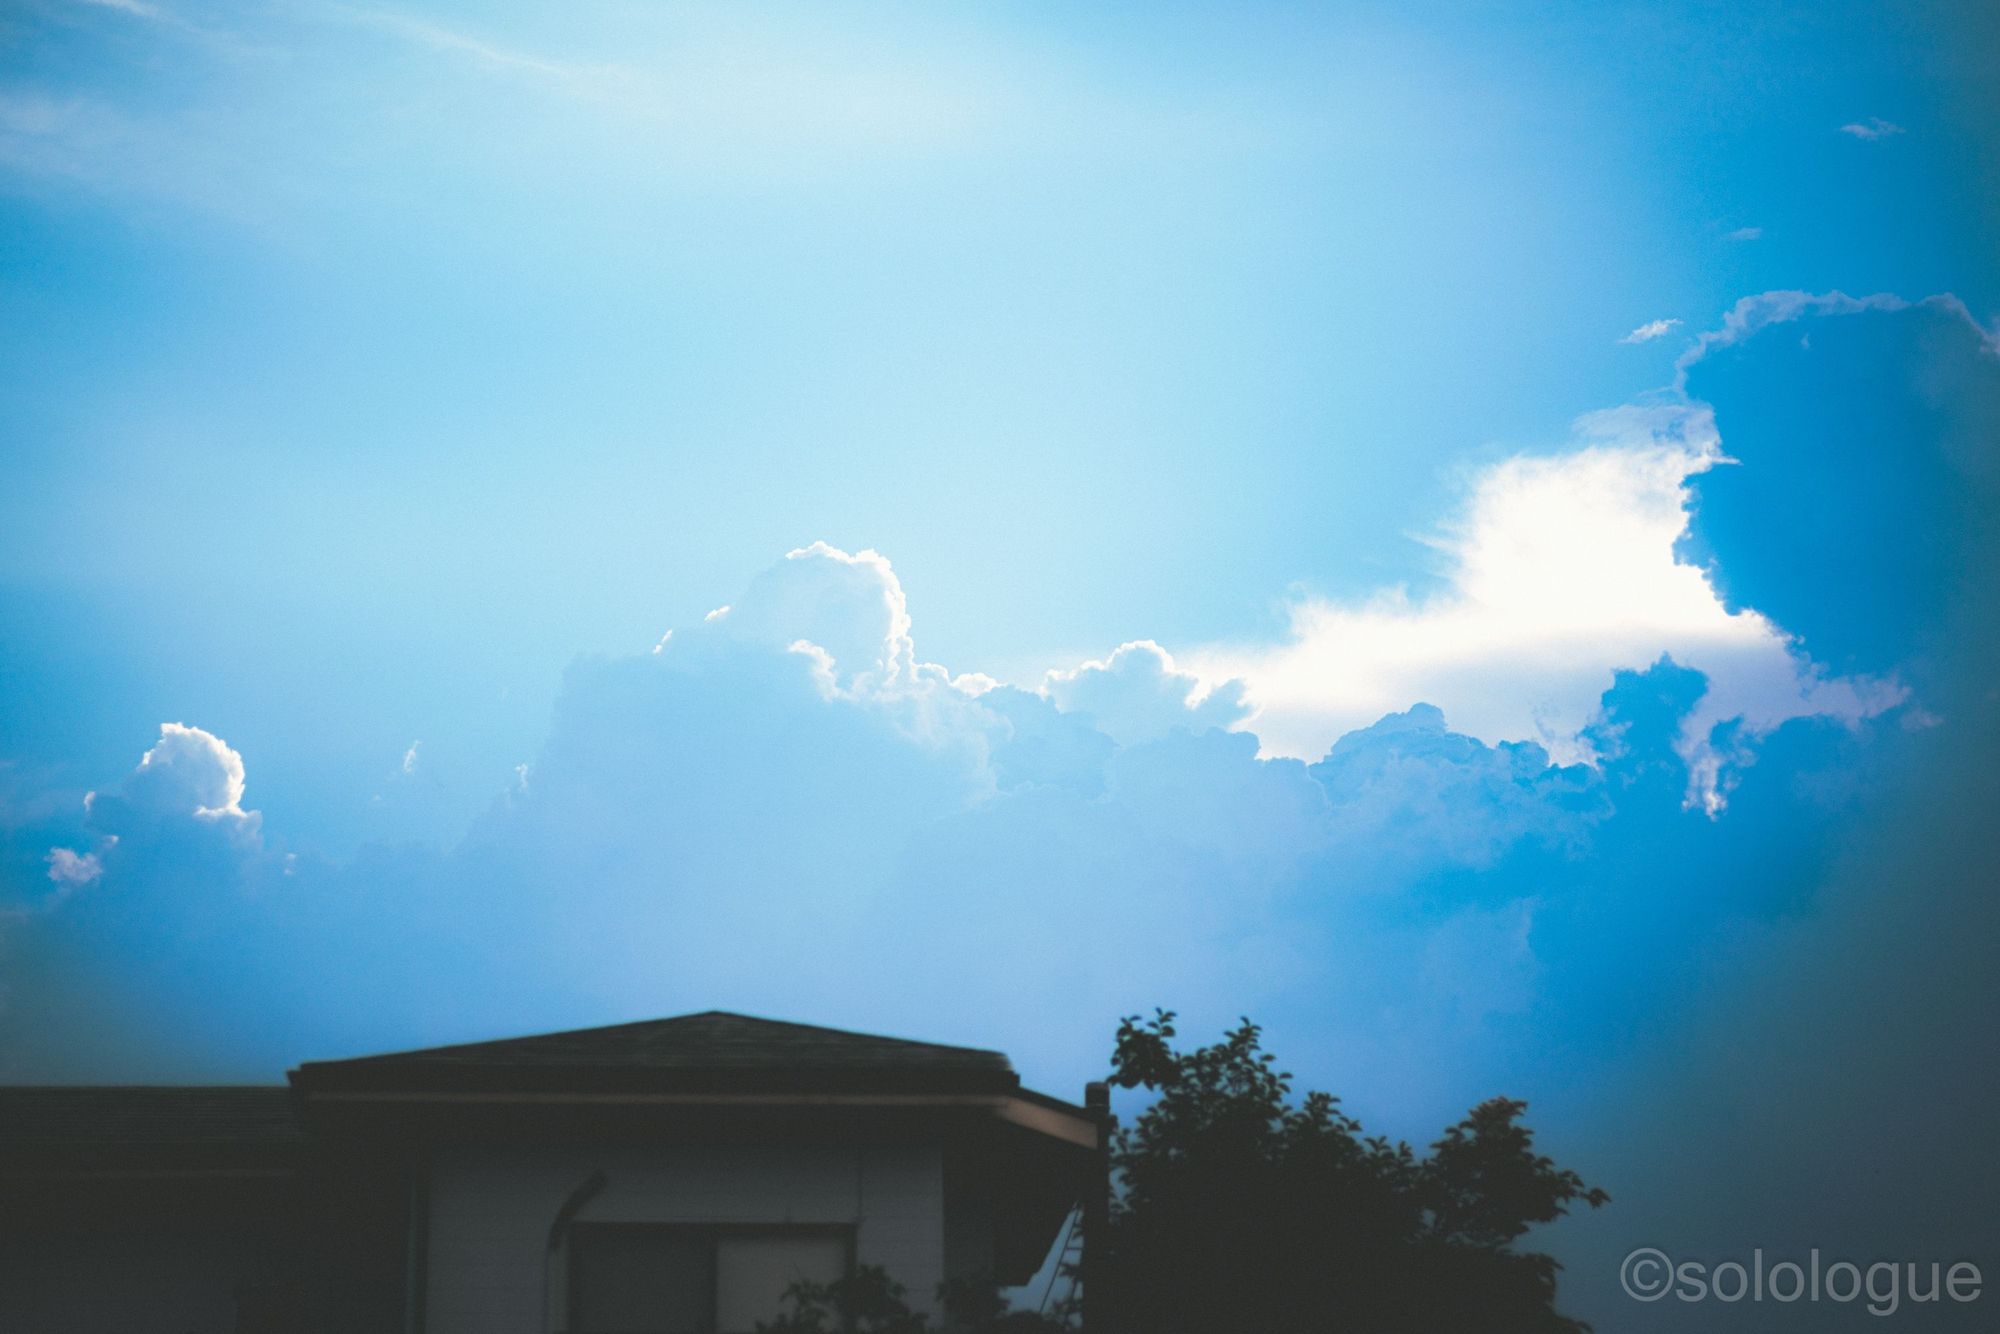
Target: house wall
x=98, y=1259
x=491, y=1208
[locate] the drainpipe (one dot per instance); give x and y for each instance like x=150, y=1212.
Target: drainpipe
x=575, y=1201
x=1094, y=1308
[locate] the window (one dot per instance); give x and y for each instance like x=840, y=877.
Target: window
x=642, y=1278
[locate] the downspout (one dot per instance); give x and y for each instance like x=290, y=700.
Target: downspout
x=575, y=1201
x=1092, y=1308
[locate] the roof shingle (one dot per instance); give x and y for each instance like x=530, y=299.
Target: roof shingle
x=707, y=1049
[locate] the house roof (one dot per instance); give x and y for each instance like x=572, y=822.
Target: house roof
x=712, y=1051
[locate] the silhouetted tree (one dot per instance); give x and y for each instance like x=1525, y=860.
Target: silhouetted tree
x=1242, y=1211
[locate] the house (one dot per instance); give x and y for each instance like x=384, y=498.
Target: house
x=673, y=1175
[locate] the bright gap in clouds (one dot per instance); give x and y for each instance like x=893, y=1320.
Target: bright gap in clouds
x=1560, y=570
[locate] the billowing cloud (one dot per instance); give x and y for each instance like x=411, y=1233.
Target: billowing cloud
x=189, y=773
x=1138, y=694
x=1876, y=551
x=1560, y=570
x=847, y=610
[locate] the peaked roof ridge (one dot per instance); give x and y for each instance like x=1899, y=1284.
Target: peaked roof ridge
x=702, y=1039
x=827, y=1029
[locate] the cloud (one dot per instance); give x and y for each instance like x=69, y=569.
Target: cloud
x=1560, y=570
x=1872, y=129
x=850, y=608
x=1751, y=315
x=409, y=764
x=1864, y=514
x=793, y=778
x=190, y=772
x=68, y=868
x=1875, y=522
x=181, y=805
x=1138, y=694
x=1647, y=332
x=1414, y=792
x=1747, y=234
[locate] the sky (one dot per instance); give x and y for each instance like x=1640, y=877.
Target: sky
x=1467, y=536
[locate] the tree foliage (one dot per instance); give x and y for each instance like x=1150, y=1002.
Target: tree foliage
x=1242, y=1209
x=868, y=1301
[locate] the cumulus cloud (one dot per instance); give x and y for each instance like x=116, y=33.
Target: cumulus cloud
x=1138, y=694
x=177, y=818
x=1410, y=791
x=847, y=610
x=189, y=772
x=1650, y=330
x=1864, y=549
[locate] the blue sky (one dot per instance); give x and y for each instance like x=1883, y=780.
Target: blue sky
x=1543, y=601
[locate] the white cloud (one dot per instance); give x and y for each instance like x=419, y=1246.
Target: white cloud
x=1138, y=694
x=847, y=606
x=1872, y=129
x=71, y=869
x=409, y=765
x=191, y=771
x=1747, y=234
x=191, y=780
x=1560, y=570
x=1647, y=332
